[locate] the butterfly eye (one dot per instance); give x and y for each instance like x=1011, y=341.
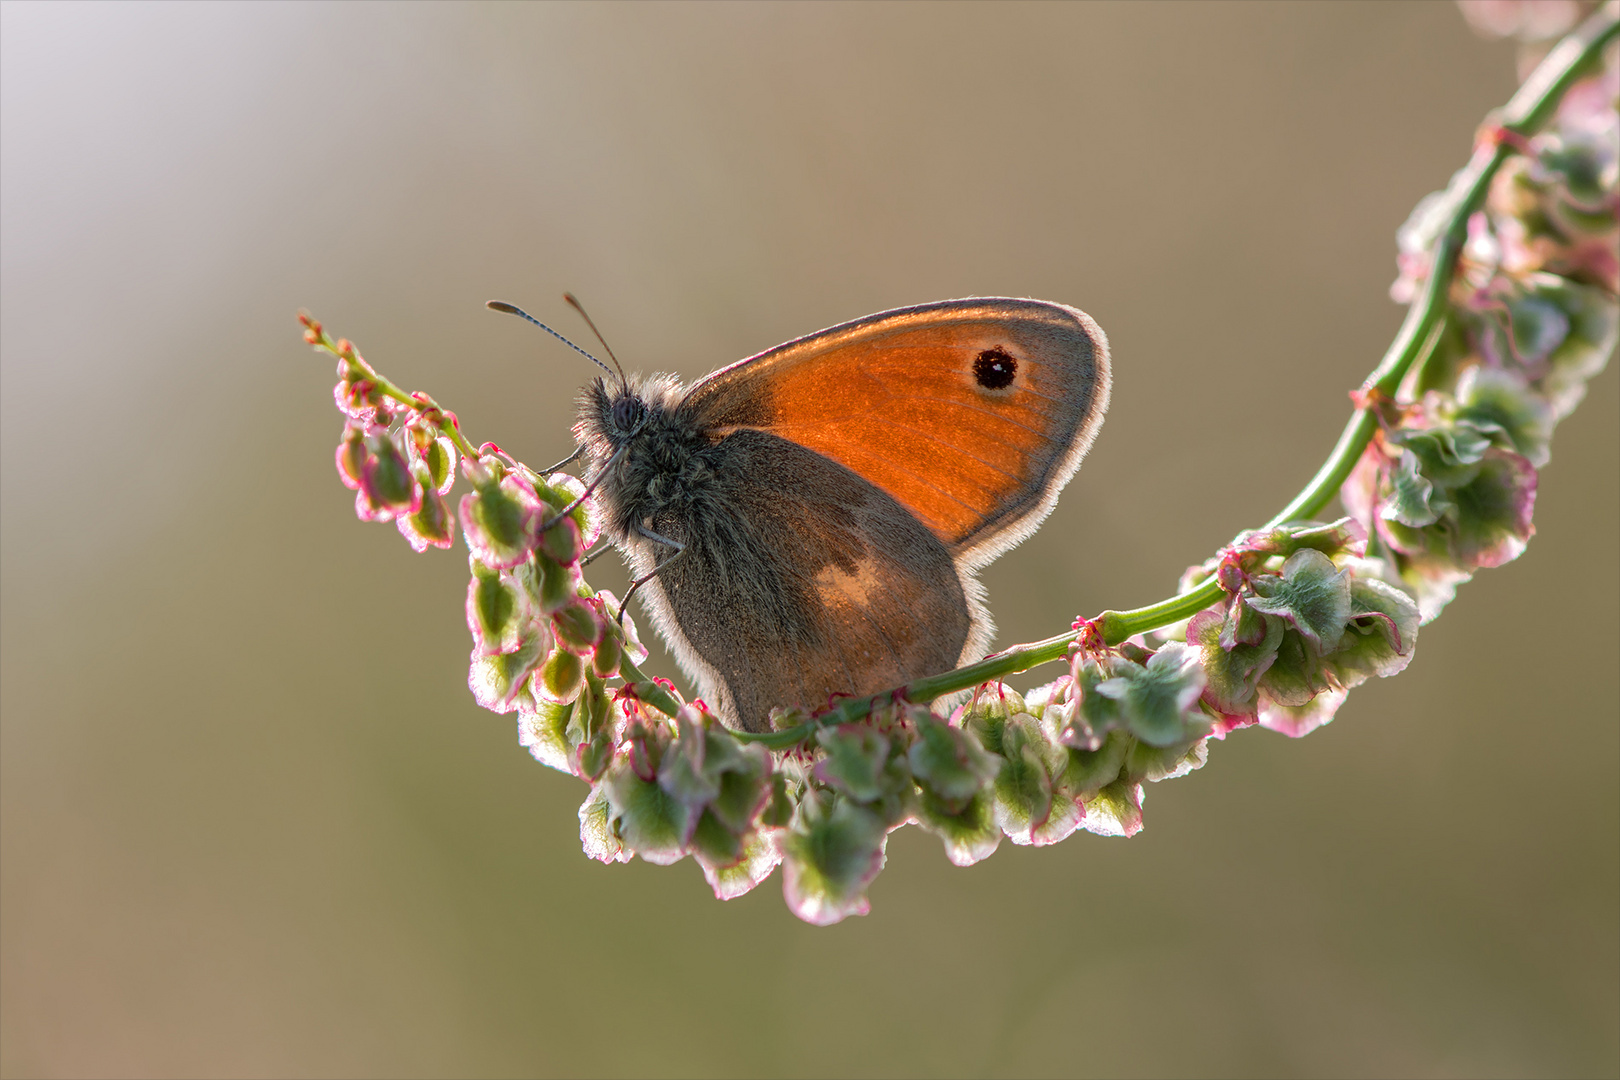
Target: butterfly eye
x=994, y=368
x=628, y=413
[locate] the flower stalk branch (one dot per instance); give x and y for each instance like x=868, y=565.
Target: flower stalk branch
x=1512, y=278
x=1524, y=115
x=358, y=370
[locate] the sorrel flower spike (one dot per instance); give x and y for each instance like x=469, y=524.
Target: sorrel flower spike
x=1511, y=277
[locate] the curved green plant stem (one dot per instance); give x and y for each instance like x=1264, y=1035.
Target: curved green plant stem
x=1530, y=108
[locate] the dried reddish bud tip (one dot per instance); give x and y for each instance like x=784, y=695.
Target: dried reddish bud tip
x=1368, y=397
x=312, y=336
x=1492, y=133
x=1090, y=637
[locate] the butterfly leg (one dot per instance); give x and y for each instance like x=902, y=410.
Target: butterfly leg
x=569, y=460
x=680, y=549
x=590, y=487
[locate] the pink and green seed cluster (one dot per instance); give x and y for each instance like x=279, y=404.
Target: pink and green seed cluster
x=1304, y=612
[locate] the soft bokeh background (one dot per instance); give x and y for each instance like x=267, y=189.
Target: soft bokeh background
x=254, y=824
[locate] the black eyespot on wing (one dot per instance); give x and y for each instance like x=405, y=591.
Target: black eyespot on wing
x=994, y=368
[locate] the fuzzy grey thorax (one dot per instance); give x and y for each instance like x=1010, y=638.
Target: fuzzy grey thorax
x=665, y=468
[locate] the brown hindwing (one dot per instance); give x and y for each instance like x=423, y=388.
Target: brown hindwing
x=800, y=580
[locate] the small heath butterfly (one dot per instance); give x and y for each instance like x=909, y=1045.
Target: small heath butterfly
x=808, y=522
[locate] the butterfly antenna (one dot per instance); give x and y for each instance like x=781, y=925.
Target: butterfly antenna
x=513, y=309
x=573, y=302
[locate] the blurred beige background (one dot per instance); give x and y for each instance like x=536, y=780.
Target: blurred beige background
x=253, y=823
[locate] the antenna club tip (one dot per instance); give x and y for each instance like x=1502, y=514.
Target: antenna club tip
x=513, y=309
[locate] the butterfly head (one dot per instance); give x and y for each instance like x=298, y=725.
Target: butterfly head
x=612, y=414
x=633, y=432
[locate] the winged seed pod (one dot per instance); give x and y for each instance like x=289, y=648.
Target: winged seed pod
x=1512, y=276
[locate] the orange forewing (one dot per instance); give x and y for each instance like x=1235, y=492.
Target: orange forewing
x=897, y=399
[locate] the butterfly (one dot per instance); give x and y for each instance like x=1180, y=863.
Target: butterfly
x=808, y=522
